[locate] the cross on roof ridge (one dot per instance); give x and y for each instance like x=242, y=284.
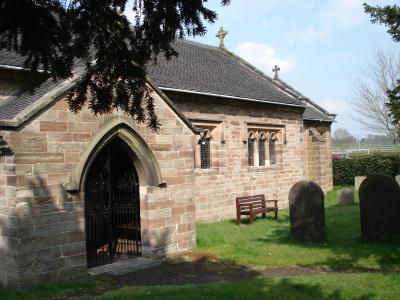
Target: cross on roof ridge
x=221, y=35
x=276, y=70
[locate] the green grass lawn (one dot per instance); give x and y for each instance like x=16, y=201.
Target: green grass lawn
x=267, y=242
x=338, y=286
x=328, y=286
x=45, y=291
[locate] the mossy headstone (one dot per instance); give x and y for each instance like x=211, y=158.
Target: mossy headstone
x=307, y=213
x=345, y=197
x=380, y=208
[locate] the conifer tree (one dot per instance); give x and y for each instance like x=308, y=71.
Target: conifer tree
x=55, y=35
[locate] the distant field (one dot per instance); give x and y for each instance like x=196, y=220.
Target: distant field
x=365, y=151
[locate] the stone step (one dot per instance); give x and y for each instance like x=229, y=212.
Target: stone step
x=124, y=266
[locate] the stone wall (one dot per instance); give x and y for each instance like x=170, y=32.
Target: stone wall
x=318, y=154
x=43, y=226
x=42, y=235
x=230, y=175
x=8, y=220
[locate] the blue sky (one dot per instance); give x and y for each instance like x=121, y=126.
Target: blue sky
x=321, y=46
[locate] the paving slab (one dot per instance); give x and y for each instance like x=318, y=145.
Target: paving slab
x=124, y=266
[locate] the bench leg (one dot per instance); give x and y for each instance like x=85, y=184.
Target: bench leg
x=251, y=219
x=238, y=215
x=263, y=215
x=276, y=214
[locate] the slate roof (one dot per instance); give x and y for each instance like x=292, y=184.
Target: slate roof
x=206, y=69
x=211, y=70
x=15, y=104
x=198, y=68
x=10, y=58
x=18, y=102
x=313, y=111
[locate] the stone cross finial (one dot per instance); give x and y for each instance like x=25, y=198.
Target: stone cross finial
x=276, y=69
x=221, y=35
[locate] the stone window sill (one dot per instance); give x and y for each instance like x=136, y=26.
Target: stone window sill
x=263, y=168
x=206, y=171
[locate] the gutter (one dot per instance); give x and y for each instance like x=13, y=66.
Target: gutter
x=319, y=120
x=15, y=68
x=229, y=97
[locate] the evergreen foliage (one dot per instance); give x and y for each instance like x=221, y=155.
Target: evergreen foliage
x=55, y=34
x=344, y=170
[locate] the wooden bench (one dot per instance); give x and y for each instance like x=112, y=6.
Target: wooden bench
x=254, y=205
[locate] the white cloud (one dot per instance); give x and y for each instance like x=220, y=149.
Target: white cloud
x=334, y=15
x=263, y=57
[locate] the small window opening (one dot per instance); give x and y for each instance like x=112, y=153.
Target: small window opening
x=204, y=143
x=261, y=149
x=272, y=149
x=250, y=145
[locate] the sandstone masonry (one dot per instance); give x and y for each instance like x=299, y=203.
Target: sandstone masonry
x=42, y=222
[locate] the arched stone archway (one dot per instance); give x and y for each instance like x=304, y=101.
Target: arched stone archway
x=112, y=205
x=143, y=158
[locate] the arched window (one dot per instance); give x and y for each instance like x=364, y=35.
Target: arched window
x=261, y=149
x=250, y=147
x=204, y=143
x=272, y=149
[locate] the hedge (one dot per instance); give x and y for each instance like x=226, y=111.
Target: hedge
x=344, y=170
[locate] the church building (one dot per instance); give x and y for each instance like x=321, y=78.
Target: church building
x=78, y=190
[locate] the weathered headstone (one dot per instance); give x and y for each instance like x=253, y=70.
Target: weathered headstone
x=380, y=208
x=357, y=181
x=398, y=179
x=307, y=213
x=345, y=197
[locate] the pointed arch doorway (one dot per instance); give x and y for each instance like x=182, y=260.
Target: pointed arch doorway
x=112, y=205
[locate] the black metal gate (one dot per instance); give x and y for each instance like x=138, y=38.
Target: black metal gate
x=112, y=209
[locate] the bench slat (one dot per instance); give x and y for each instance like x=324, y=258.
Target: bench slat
x=254, y=206
x=258, y=205
x=250, y=198
x=253, y=203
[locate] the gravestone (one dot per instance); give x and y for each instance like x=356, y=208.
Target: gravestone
x=398, y=179
x=345, y=197
x=380, y=208
x=307, y=213
x=357, y=182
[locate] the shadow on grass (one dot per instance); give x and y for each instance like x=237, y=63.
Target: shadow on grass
x=286, y=287
x=202, y=278
x=246, y=220
x=344, y=241
x=254, y=289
